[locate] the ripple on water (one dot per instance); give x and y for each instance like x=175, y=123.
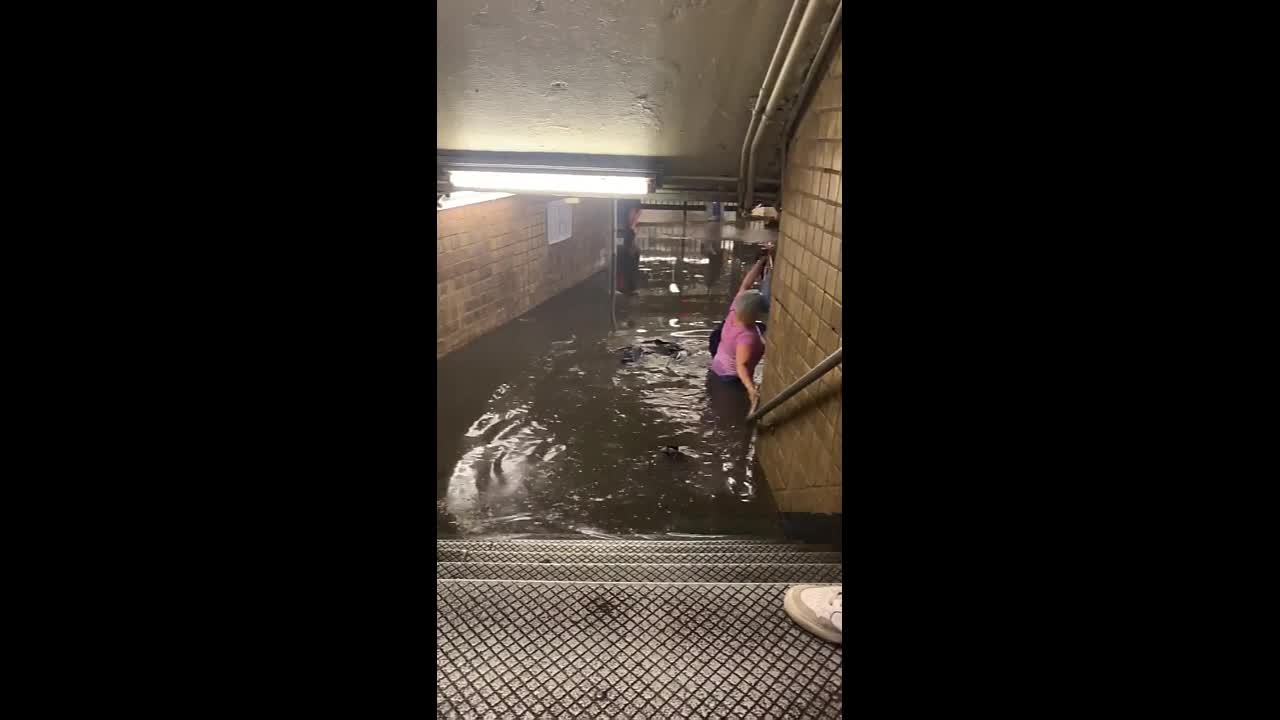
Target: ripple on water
x=483, y=423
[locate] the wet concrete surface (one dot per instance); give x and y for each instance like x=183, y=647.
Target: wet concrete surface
x=543, y=428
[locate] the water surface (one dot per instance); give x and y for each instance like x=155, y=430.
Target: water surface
x=542, y=428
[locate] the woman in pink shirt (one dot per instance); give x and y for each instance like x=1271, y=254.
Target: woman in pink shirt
x=741, y=344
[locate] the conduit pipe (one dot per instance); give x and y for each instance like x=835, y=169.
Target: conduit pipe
x=814, y=76
x=810, y=85
x=787, y=76
x=775, y=64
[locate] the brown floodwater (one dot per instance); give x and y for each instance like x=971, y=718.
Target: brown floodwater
x=543, y=428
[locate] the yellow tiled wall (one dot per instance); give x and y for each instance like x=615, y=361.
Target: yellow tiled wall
x=800, y=447
x=493, y=262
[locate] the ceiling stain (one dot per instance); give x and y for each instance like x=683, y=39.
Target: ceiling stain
x=680, y=7
x=484, y=19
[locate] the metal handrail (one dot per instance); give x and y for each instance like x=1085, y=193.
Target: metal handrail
x=818, y=371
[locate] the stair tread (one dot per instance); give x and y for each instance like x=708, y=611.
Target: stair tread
x=635, y=650
x=596, y=555
x=629, y=546
x=645, y=572
x=550, y=537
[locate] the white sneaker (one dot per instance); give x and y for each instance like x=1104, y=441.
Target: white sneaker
x=818, y=609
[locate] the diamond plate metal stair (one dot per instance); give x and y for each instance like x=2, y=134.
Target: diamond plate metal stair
x=608, y=555
x=534, y=628
x=642, y=572
x=626, y=546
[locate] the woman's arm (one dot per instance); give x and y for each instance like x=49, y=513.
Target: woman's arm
x=752, y=274
x=741, y=357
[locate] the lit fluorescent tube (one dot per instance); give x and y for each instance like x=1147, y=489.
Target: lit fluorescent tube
x=550, y=183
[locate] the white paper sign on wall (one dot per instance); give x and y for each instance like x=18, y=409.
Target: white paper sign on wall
x=559, y=221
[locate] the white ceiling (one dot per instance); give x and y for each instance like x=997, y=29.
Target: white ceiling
x=668, y=78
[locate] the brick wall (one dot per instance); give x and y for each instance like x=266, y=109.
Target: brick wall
x=801, y=449
x=493, y=263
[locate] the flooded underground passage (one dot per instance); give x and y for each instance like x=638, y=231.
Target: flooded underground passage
x=594, y=411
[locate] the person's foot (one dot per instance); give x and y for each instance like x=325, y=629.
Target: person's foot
x=818, y=609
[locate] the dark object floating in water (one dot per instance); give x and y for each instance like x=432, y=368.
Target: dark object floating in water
x=632, y=353
x=666, y=348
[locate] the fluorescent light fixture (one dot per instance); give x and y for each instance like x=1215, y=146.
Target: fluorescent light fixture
x=459, y=199
x=589, y=185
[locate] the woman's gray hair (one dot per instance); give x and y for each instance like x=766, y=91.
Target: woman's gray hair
x=752, y=303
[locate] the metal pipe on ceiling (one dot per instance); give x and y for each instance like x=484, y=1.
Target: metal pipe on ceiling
x=714, y=179
x=810, y=85
x=782, y=49
x=791, y=67
x=706, y=194
x=700, y=192
x=814, y=76
x=721, y=197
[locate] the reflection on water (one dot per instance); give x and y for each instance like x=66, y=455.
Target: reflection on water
x=542, y=427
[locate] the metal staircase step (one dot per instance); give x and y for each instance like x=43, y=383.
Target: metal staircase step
x=515, y=649
x=646, y=572
x=602, y=555
x=579, y=537
x=629, y=546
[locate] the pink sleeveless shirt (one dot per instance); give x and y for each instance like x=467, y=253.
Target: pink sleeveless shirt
x=732, y=335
